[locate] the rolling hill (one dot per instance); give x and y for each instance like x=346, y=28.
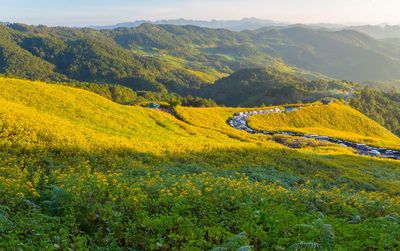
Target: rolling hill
x=79, y=171
x=335, y=120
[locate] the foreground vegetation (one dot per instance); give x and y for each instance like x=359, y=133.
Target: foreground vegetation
x=78, y=171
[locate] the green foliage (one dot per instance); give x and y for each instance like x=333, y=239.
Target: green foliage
x=306, y=246
x=380, y=106
x=197, y=102
x=16, y=61
x=251, y=87
x=116, y=93
x=175, y=103
x=239, y=242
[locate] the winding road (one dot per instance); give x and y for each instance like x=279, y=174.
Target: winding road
x=239, y=121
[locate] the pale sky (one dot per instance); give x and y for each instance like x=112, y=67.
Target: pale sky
x=101, y=12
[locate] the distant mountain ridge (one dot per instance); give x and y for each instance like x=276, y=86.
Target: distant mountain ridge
x=234, y=25
x=375, y=31
x=378, y=31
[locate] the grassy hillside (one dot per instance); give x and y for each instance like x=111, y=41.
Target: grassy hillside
x=336, y=120
x=56, y=120
x=78, y=171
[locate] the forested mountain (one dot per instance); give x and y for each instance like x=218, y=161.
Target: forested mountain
x=61, y=54
x=375, y=31
x=253, y=87
x=184, y=58
x=342, y=54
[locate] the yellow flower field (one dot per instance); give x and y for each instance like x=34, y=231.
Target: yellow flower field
x=79, y=172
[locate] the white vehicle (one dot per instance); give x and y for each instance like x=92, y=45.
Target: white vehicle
x=374, y=152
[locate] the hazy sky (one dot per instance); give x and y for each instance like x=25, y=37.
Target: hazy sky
x=95, y=12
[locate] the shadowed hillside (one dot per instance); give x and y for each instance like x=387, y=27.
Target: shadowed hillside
x=252, y=87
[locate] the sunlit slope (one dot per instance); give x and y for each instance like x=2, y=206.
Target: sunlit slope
x=35, y=113
x=79, y=171
x=334, y=120
x=215, y=119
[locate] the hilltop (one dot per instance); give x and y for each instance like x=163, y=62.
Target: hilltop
x=79, y=171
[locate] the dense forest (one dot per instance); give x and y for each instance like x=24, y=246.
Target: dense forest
x=382, y=107
x=62, y=54
x=254, y=87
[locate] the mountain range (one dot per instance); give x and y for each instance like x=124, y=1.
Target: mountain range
x=381, y=31
x=234, y=25
x=178, y=58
